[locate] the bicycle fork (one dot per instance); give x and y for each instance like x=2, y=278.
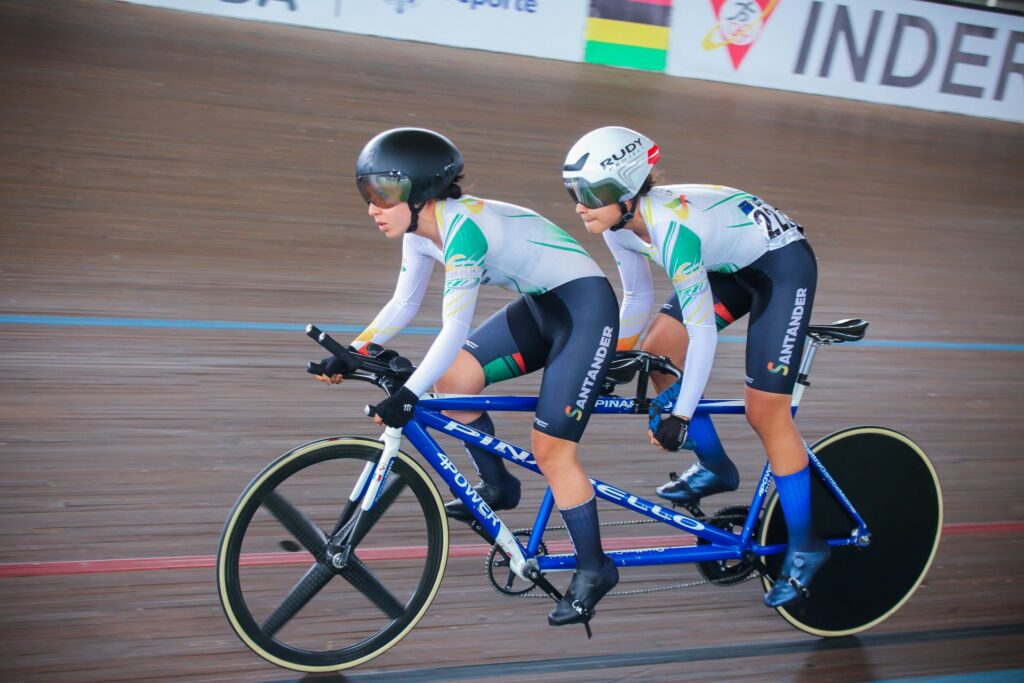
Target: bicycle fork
x=367, y=490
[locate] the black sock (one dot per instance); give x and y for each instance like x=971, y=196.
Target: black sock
x=490, y=467
x=585, y=534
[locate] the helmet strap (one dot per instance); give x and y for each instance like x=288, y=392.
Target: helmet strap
x=627, y=215
x=414, y=220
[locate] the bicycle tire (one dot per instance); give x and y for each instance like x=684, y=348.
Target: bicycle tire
x=893, y=486
x=371, y=604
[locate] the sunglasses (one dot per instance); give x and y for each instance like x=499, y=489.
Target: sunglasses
x=384, y=190
x=595, y=195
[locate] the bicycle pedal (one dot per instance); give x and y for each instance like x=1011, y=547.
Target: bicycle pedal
x=290, y=546
x=694, y=510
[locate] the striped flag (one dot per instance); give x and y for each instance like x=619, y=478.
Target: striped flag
x=630, y=33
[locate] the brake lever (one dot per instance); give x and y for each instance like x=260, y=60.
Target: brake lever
x=665, y=364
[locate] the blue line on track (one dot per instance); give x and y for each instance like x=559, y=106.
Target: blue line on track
x=154, y=323
x=1007, y=676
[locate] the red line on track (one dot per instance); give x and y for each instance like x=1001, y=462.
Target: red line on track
x=395, y=553
x=965, y=528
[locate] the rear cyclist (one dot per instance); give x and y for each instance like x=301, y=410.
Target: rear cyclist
x=565, y=321
x=766, y=266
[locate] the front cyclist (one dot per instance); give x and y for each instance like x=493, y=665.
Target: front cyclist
x=565, y=321
x=763, y=264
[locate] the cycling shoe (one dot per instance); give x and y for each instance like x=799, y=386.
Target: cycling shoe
x=585, y=590
x=695, y=484
x=496, y=497
x=798, y=569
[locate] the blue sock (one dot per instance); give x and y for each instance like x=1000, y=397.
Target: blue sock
x=710, y=452
x=585, y=534
x=490, y=467
x=795, y=494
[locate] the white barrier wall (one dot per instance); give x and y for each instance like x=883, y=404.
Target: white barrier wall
x=910, y=53
x=904, y=52
x=555, y=29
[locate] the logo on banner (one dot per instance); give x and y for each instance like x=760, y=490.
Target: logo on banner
x=739, y=25
x=401, y=5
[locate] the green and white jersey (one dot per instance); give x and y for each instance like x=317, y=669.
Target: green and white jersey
x=484, y=242
x=693, y=229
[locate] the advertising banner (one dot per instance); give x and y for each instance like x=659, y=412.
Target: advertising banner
x=554, y=29
x=904, y=52
x=315, y=13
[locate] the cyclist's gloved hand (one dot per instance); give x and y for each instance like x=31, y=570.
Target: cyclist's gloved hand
x=664, y=401
x=671, y=433
x=398, y=408
x=335, y=367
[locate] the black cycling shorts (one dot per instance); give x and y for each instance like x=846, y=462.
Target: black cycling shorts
x=778, y=291
x=570, y=331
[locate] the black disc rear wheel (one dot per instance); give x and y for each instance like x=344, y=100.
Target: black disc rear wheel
x=891, y=483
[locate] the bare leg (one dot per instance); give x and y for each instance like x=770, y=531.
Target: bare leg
x=465, y=376
x=499, y=488
x=771, y=417
x=667, y=337
x=558, y=461
x=574, y=494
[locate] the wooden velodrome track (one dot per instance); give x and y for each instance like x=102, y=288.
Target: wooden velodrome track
x=161, y=166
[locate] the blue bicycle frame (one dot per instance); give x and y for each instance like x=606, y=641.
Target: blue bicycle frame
x=722, y=545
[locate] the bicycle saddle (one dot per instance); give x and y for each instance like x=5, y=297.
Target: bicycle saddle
x=851, y=329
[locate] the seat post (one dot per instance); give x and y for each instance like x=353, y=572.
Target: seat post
x=805, y=369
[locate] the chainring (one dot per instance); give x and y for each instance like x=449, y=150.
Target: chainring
x=728, y=572
x=497, y=561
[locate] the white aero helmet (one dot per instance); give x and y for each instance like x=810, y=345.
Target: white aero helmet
x=608, y=166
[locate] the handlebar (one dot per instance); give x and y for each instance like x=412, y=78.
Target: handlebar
x=639, y=364
x=389, y=371
x=627, y=363
x=380, y=366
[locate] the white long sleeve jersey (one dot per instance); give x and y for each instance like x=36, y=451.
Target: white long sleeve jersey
x=693, y=229
x=484, y=242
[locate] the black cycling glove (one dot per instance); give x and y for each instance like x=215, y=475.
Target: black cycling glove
x=334, y=365
x=398, y=408
x=671, y=433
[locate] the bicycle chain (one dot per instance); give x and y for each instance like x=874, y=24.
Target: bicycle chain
x=637, y=591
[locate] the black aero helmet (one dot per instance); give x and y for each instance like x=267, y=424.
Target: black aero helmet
x=410, y=165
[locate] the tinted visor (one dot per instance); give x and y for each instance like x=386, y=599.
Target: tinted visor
x=384, y=189
x=595, y=195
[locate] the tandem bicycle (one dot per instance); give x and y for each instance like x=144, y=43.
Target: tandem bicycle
x=336, y=550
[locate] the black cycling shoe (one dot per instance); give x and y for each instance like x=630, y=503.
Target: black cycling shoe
x=585, y=590
x=798, y=569
x=496, y=497
x=695, y=484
